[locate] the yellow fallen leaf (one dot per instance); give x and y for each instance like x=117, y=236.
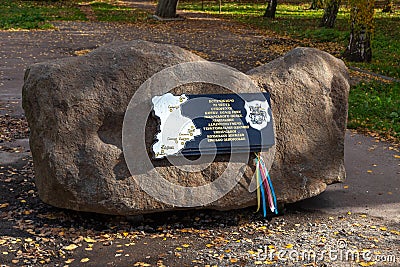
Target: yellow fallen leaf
x=5, y=205
x=3, y=242
x=289, y=246
x=363, y=263
x=363, y=216
x=395, y=232
x=268, y=262
x=88, y=249
x=383, y=228
x=346, y=187
x=85, y=260
x=369, y=171
x=396, y=156
x=178, y=248
x=125, y=234
x=234, y=260
x=69, y=261
x=89, y=240
x=209, y=245
x=185, y=245
x=70, y=247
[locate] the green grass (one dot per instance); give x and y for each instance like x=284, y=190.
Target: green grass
x=375, y=106
x=36, y=14
x=112, y=13
x=39, y=14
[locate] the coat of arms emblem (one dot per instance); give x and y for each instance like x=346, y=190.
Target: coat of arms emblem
x=257, y=114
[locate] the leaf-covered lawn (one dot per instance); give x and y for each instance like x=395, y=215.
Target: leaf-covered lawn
x=36, y=14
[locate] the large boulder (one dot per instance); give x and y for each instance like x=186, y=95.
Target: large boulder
x=75, y=108
x=309, y=94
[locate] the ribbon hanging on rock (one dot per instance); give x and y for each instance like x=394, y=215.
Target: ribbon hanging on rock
x=265, y=191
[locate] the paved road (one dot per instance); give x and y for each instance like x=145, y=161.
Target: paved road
x=372, y=185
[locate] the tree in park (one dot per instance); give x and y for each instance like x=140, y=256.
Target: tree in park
x=271, y=9
x=330, y=13
x=361, y=19
x=167, y=8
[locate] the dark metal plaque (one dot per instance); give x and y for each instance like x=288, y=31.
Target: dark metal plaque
x=213, y=124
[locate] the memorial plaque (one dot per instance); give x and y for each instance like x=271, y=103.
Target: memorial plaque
x=212, y=123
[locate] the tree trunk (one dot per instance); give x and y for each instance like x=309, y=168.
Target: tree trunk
x=316, y=4
x=167, y=8
x=271, y=9
x=361, y=17
x=330, y=13
x=388, y=7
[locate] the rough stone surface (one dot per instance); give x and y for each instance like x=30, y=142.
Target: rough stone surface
x=309, y=94
x=75, y=108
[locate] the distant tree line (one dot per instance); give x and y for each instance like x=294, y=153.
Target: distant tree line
x=361, y=21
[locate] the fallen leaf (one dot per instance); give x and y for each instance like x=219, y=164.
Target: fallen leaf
x=5, y=205
x=69, y=261
x=70, y=247
x=85, y=260
x=370, y=263
x=289, y=246
x=89, y=240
